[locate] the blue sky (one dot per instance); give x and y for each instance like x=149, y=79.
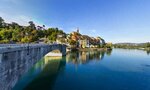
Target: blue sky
x=113, y=20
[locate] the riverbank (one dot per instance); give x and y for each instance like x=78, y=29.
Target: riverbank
x=139, y=48
x=92, y=49
x=89, y=49
x=143, y=49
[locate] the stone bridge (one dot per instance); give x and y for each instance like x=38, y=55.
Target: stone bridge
x=28, y=50
x=16, y=59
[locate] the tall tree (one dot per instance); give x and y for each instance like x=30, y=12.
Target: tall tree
x=1, y=22
x=32, y=25
x=14, y=25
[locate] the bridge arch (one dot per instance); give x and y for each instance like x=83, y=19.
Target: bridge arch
x=32, y=51
x=60, y=47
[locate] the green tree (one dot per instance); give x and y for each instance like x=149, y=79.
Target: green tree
x=25, y=39
x=15, y=25
x=72, y=42
x=1, y=22
x=17, y=33
x=148, y=45
x=6, y=34
x=108, y=45
x=32, y=25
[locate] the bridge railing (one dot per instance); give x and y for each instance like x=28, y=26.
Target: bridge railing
x=14, y=47
x=3, y=46
x=20, y=45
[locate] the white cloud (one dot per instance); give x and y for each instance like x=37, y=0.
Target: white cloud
x=12, y=1
x=20, y=19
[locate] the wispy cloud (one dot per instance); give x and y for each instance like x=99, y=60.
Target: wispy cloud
x=12, y=1
x=20, y=19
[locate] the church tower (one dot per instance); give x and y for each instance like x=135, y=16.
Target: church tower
x=77, y=29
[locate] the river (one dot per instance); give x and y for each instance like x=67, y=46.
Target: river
x=119, y=69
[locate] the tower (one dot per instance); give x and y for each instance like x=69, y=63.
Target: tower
x=77, y=29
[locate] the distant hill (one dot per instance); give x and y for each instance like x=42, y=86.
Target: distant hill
x=145, y=46
x=130, y=44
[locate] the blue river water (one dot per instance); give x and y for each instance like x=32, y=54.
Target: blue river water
x=119, y=69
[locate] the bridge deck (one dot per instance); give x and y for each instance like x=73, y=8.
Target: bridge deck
x=13, y=47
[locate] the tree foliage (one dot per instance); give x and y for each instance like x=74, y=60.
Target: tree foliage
x=23, y=34
x=72, y=42
x=1, y=22
x=148, y=45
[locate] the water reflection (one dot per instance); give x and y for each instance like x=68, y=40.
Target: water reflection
x=48, y=69
x=85, y=57
x=148, y=52
x=109, y=52
x=54, y=66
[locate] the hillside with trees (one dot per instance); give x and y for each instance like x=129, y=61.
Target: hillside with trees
x=15, y=33
x=142, y=46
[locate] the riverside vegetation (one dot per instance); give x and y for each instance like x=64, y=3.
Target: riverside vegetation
x=10, y=33
x=140, y=46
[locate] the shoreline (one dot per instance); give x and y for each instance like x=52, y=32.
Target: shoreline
x=90, y=49
x=145, y=49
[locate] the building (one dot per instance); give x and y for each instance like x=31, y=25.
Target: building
x=84, y=43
